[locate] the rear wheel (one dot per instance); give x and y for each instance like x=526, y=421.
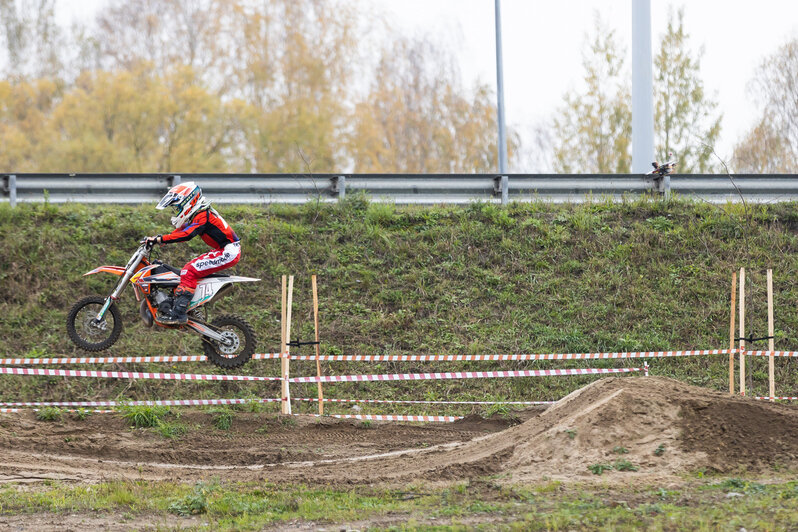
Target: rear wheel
x=239, y=346
x=88, y=333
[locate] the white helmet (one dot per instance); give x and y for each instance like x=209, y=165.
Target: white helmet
x=186, y=199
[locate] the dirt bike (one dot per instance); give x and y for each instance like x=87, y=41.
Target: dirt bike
x=94, y=323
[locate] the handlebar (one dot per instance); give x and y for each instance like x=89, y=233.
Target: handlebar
x=147, y=245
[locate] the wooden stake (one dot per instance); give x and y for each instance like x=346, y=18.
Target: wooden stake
x=318, y=347
x=771, y=341
x=287, y=360
x=731, y=333
x=283, y=346
x=742, y=331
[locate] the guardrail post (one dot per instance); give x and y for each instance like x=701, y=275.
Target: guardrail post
x=662, y=185
x=174, y=181
x=339, y=186
x=501, y=187
x=10, y=186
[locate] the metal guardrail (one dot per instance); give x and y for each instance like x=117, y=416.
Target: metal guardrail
x=395, y=188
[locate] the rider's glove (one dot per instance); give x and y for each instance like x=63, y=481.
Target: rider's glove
x=152, y=240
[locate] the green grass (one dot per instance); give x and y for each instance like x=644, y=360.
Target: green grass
x=643, y=274
x=144, y=416
x=222, y=418
x=155, y=417
x=49, y=414
x=713, y=504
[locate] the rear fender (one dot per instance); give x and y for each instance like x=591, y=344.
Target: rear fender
x=211, y=289
x=116, y=270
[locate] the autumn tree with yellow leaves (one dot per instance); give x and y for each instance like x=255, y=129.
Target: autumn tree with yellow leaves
x=235, y=86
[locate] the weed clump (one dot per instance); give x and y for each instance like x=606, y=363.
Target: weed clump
x=49, y=413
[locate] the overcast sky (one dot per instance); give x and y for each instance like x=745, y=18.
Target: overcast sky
x=543, y=43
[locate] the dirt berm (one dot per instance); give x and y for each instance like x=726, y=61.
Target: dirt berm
x=660, y=426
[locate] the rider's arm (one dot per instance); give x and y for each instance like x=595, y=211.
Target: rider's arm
x=196, y=227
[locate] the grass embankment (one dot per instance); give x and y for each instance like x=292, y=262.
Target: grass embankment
x=698, y=504
x=534, y=277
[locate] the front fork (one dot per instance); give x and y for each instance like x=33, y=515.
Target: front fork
x=101, y=314
x=117, y=291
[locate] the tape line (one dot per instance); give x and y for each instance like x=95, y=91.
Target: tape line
x=131, y=375
x=17, y=410
x=328, y=400
x=779, y=398
x=390, y=358
x=210, y=402
x=447, y=419
x=552, y=356
x=166, y=402
x=463, y=375
x=118, y=360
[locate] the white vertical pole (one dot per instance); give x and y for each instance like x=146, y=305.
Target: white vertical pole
x=742, y=331
x=642, y=88
x=287, y=361
x=771, y=340
x=283, y=347
x=500, y=96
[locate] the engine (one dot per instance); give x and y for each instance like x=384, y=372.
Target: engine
x=160, y=300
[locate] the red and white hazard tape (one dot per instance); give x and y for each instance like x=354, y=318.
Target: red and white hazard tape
x=132, y=375
x=399, y=401
x=464, y=375
x=118, y=360
x=387, y=358
x=17, y=410
x=774, y=353
x=166, y=402
x=777, y=398
x=553, y=356
x=437, y=419
x=428, y=419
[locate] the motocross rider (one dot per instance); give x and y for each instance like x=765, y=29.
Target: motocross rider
x=195, y=216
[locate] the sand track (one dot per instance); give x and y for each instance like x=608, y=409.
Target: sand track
x=660, y=426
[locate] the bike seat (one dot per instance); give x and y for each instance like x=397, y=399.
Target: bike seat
x=163, y=268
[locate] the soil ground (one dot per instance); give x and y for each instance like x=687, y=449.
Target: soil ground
x=661, y=427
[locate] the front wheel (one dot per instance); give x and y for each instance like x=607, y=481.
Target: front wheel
x=239, y=346
x=88, y=333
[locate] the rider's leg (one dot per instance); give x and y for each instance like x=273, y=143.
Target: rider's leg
x=204, y=265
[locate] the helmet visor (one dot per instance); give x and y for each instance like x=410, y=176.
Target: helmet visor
x=169, y=199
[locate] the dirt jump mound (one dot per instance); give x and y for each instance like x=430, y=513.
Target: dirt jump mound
x=619, y=428
x=646, y=425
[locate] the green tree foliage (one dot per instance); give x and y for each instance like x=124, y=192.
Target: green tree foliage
x=771, y=146
x=684, y=116
x=237, y=86
x=595, y=125
x=592, y=131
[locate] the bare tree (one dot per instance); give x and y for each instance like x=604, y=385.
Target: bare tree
x=772, y=144
x=34, y=44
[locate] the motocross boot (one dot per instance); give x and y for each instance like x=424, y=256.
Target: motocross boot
x=177, y=314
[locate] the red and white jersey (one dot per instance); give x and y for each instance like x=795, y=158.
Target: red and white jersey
x=213, y=229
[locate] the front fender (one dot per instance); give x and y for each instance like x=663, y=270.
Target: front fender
x=116, y=270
